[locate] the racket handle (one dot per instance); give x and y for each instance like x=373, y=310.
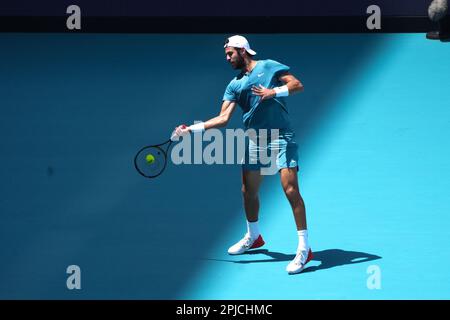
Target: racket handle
x=183, y=126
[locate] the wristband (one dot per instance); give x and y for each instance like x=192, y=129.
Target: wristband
x=282, y=91
x=197, y=127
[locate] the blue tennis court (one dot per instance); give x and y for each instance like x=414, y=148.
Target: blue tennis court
x=373, y=126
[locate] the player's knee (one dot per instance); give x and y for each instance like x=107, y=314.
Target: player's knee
x=291, y=192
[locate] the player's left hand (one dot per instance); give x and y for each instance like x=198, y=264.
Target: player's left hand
x=263, y=92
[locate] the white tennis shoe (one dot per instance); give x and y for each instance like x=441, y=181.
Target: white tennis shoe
x=246, y=244
x=298, y=264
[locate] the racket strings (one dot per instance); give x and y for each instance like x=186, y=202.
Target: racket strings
x=151, y=161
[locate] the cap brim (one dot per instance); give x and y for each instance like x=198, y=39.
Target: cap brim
x=251, y=52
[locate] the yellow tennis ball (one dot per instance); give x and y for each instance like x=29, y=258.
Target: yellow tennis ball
x=150, y=158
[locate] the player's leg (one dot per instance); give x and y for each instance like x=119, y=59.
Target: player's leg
x=289, y=181
x=251, y=181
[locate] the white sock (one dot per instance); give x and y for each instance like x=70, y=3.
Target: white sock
x=252, y=229
x=303, y=244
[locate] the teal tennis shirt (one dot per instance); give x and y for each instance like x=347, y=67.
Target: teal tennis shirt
x=257, y=114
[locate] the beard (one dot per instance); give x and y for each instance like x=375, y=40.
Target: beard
x=240, y=63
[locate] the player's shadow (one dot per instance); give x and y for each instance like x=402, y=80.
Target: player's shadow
x=329, y=258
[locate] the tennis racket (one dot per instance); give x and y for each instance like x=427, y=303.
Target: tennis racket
x=150, y=161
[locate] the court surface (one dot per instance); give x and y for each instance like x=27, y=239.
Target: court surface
x=373, y=126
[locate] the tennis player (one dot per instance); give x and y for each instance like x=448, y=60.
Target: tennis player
x=260, y=89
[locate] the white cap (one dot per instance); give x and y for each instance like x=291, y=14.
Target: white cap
x=239, y=42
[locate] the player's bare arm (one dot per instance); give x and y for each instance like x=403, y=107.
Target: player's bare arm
x=293, y=85
x=224, y=116
x=221, y=120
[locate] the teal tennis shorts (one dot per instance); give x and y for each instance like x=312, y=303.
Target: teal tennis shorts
x=263, y=151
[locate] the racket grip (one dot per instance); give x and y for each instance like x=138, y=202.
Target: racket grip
x=183, y=126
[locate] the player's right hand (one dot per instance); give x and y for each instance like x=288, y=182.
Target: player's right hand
x=182, y=130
